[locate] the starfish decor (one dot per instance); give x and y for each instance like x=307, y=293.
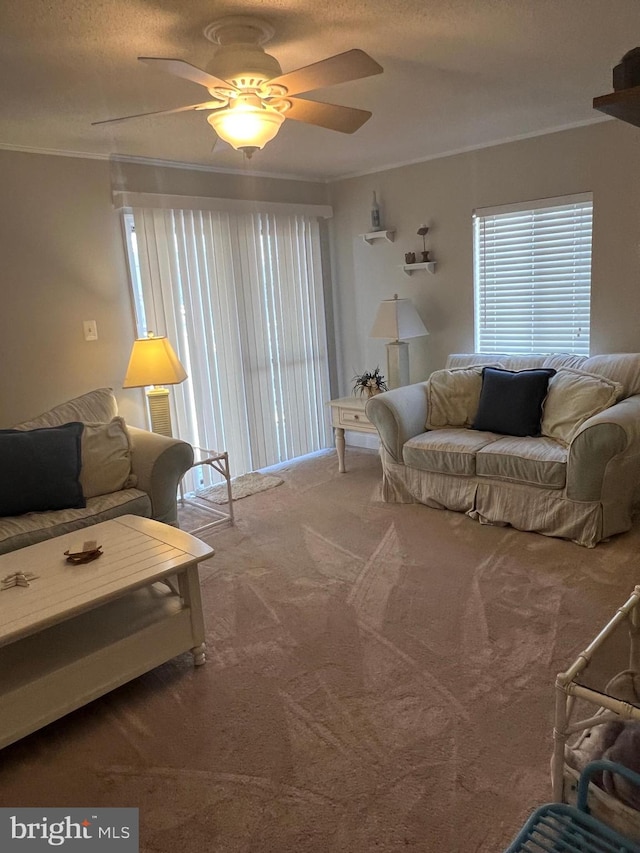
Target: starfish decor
x=17, y=579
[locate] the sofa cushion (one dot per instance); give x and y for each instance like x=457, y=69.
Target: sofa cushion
x=447, y=451
x=457, y=360
x=574, y=396
x=526, y=361
x=620, y=367
x=533, y=461
x=23, y=530
x=452, y=397
x=97, y=406
x=40, y=469
x=511, y=401
x=563, y=359
x=106, y=458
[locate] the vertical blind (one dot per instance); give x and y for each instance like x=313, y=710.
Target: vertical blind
x=533, y=276
x=240, y=296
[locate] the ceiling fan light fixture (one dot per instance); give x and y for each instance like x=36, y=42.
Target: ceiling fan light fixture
x=249, y=94
x=246, y=124
x=240, y=58
x=244, y=66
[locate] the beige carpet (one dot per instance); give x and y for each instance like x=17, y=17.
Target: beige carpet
x=380, y=678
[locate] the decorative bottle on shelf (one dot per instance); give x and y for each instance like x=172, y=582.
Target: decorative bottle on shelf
x=375, y=215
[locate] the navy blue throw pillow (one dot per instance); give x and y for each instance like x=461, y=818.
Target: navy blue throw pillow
x=40, y=469
x=511, y=401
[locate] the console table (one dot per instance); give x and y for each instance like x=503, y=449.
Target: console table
x=78, y=631
x=348, y=413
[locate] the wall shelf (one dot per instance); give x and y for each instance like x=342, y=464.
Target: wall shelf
x=410, y=268
x=623, y=104
x=388, y=234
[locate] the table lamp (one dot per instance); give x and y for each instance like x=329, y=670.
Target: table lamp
x=397, y=318
x=153, y=362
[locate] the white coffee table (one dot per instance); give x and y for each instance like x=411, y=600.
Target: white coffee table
x=79, y=631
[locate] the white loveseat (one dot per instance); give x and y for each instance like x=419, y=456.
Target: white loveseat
x=123, y=470
x=580, y=480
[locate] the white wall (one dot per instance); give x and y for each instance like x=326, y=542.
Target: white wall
x=603, y=158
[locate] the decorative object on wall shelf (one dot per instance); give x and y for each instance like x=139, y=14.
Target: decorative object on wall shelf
x=430, y=266
x=376, y=222
x=411, y=263
x=369, y=383
x=624, y=102
x=395, y=319
x=388, y=234
x=423, y=230
x=626, y=75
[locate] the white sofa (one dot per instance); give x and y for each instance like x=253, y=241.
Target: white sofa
x=580, y=482
x=124, y=470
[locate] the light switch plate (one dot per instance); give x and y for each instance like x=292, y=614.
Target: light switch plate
x=90, y=330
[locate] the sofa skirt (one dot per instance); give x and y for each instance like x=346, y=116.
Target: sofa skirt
x=546, y=511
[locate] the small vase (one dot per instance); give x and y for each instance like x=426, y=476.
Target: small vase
x=372, y=391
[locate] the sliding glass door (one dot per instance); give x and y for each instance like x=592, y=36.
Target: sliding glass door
x=240, y=297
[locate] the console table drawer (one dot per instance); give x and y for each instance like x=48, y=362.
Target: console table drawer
x=354, y=418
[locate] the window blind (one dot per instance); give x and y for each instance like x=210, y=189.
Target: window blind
x=240, y=296
x=533, y=276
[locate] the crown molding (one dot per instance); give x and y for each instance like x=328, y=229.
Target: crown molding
x=466, y=150
x=53, y=152
x=199, y=167
x=167, y=164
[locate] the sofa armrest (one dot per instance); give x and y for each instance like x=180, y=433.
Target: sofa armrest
x=398, y=415
x=160, y=463
x=611, y=434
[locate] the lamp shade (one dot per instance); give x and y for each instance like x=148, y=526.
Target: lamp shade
x=397, y=319
x=153, y=362
x=246, y=123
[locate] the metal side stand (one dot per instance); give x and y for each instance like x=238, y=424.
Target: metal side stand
x=219, y=461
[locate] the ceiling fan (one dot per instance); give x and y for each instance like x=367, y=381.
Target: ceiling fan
x=251, y=97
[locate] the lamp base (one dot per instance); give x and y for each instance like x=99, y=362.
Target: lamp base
x=159, y=411
x=398, y=363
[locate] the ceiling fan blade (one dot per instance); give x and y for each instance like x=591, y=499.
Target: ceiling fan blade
x=331, y=116
x=351, y=65
x=180, y=68
x=207, y=105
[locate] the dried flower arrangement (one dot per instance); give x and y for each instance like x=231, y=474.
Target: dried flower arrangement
x=370, y=383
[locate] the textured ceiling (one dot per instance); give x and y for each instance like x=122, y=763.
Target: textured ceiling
x=457, y=74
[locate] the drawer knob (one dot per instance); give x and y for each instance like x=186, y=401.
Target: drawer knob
x=356, y=417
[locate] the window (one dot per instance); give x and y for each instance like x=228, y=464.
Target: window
x=533, y=276
x=240, y=296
